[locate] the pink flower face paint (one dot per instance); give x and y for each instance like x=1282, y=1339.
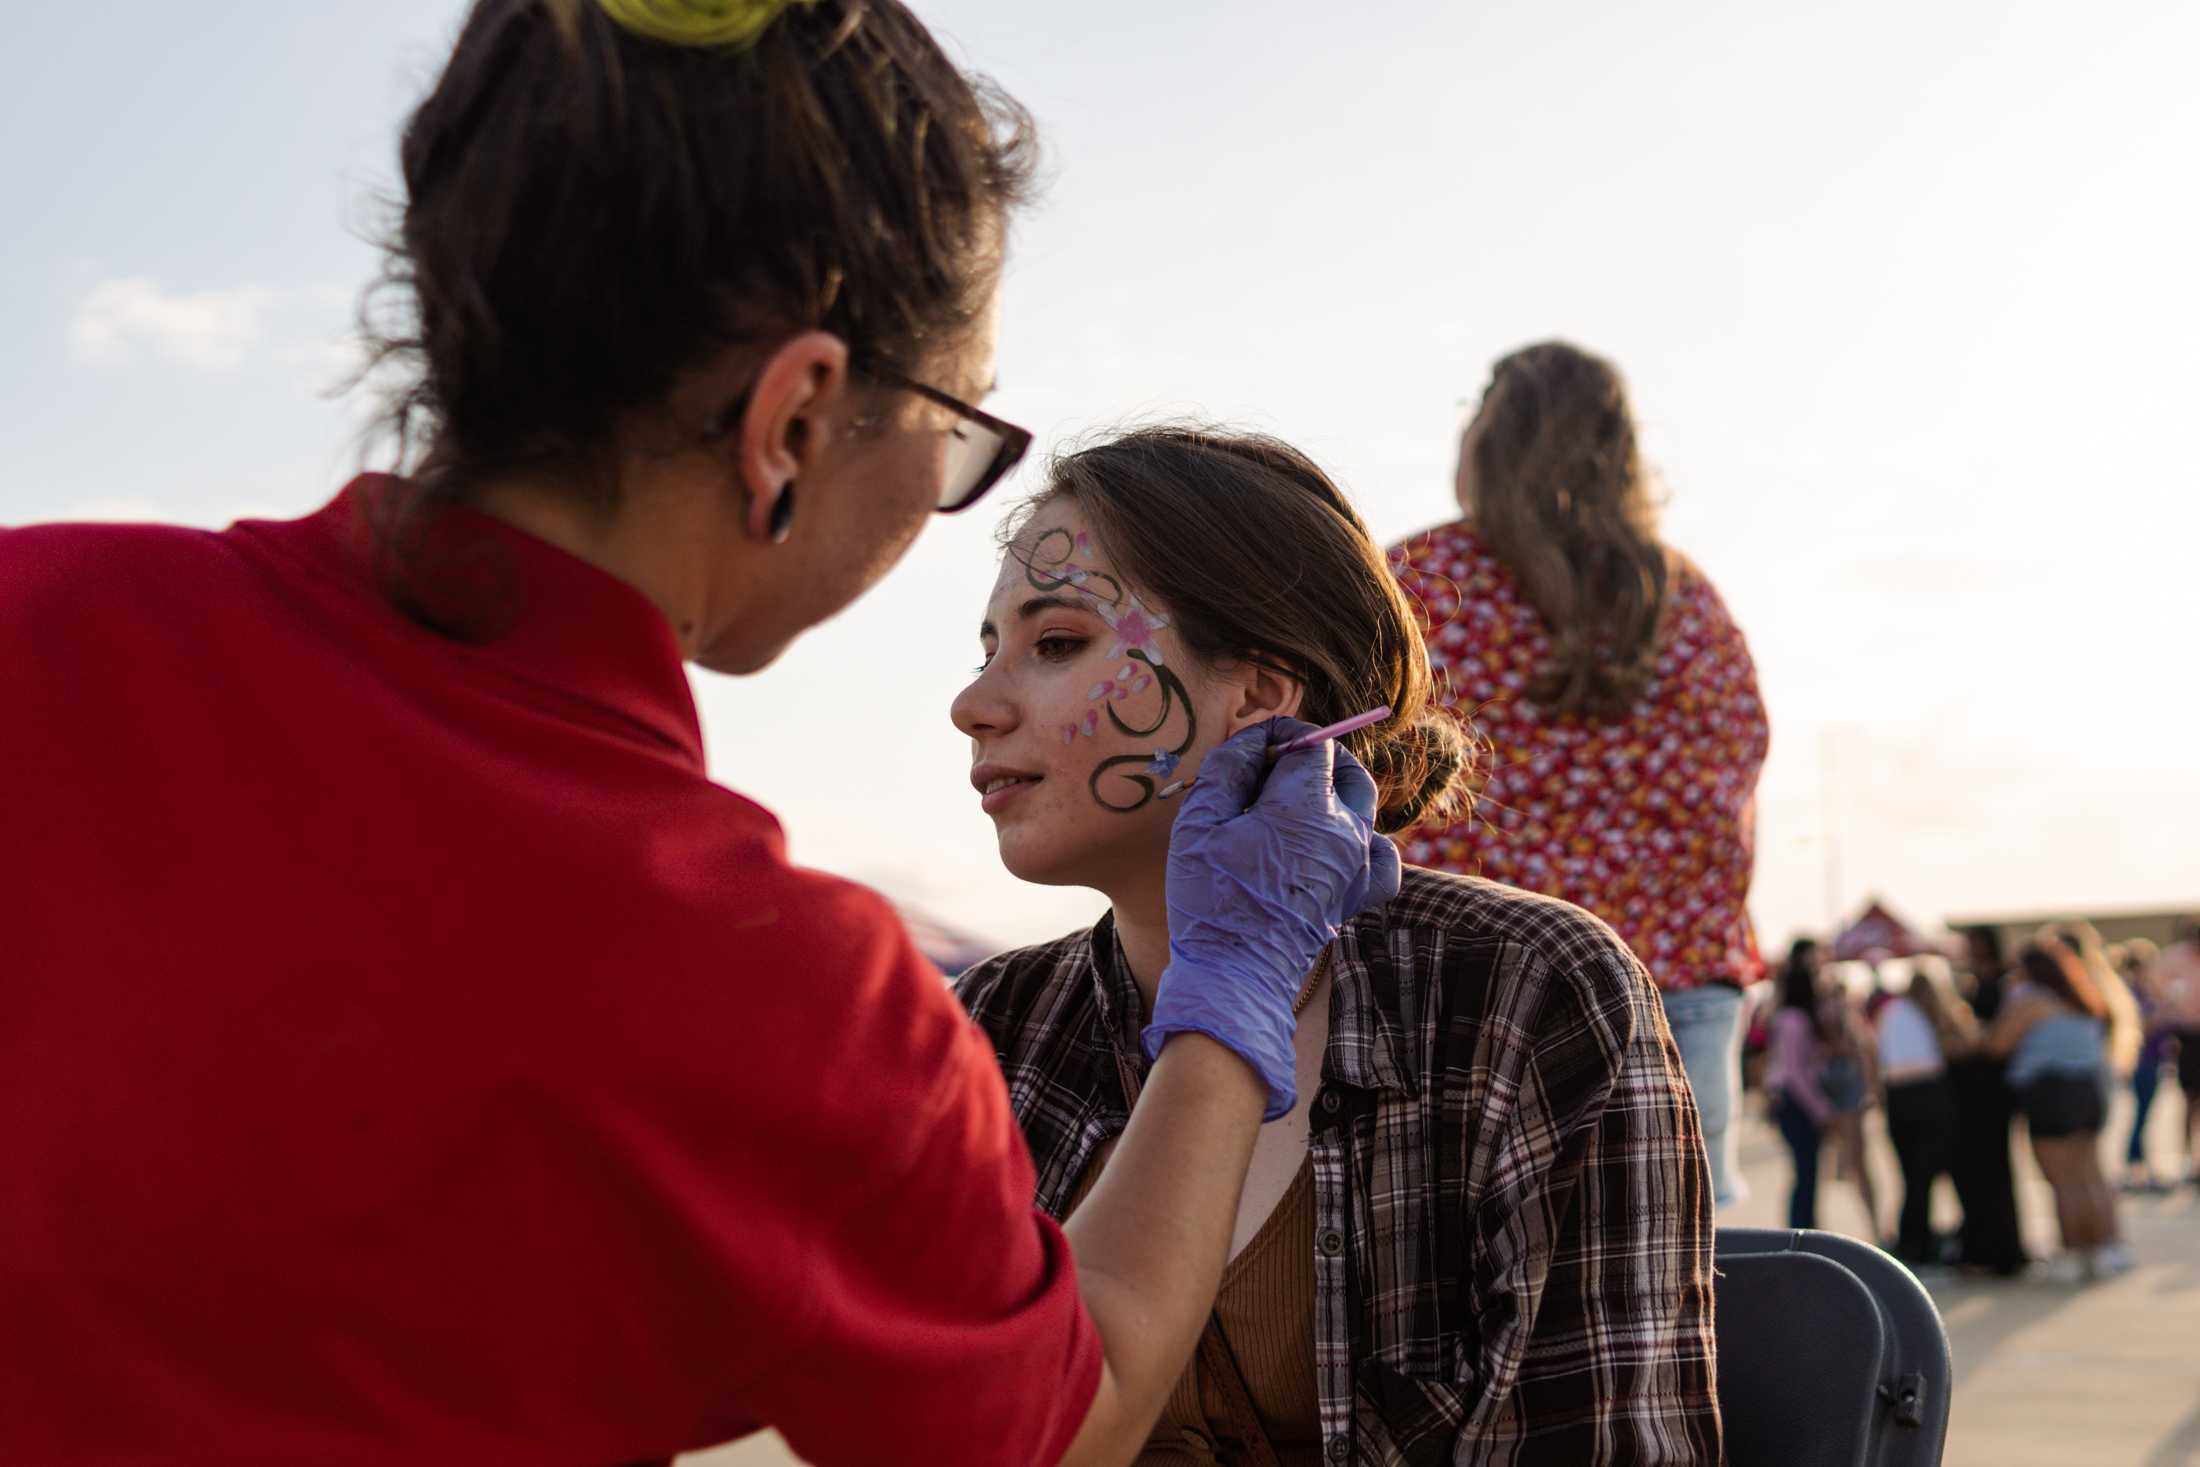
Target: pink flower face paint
x=1059, y=562
x=1134, y=632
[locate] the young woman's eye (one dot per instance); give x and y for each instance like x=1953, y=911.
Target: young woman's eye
x=1058, y=649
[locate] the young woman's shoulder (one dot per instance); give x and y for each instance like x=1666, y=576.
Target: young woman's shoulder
x=1448, y=561
x=1541, y=940
x=1028, y=991
x=1471, y=905
x=1696, y=602
x=1453, y=538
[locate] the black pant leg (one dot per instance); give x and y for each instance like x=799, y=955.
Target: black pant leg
x=1910, y=1118
x=1981, y=1166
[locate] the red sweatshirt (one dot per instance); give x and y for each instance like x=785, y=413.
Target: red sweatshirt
x=408, y=1056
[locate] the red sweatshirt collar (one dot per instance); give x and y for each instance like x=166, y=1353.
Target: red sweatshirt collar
x=534, y=611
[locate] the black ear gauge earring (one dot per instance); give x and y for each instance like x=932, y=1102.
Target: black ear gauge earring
x=782, y=519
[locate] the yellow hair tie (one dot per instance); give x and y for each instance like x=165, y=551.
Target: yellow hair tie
x=698, y=22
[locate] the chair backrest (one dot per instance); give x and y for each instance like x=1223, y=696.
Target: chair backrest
x=1831, y=1354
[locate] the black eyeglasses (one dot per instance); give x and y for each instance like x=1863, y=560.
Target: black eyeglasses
x=981, y=448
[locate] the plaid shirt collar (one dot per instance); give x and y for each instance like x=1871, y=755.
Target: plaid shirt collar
x=1366, y=1044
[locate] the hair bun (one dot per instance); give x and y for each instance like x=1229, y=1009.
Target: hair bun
x=1425, y=770
x=697, y=22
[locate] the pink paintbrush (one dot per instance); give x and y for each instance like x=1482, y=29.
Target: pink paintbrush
x=1353, y=724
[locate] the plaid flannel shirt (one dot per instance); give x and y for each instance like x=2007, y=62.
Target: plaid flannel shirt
x=1513, y=1207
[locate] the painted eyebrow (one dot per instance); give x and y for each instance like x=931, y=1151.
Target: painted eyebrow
x=1033, y=607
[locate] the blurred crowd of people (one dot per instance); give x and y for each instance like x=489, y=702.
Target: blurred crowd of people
x=1956, y=1048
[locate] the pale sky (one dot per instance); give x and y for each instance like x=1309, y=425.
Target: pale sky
x=1905, y=291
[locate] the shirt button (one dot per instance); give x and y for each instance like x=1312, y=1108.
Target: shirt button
x=1332, y=1243
x=1338, y=1449
x=1331, y=1102
x=1196, y=1442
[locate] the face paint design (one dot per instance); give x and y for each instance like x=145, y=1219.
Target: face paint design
x=1126, y=782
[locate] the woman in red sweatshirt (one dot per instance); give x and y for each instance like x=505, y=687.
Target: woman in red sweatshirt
x=410, y=1055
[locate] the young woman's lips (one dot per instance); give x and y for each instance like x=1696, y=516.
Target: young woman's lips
x=1001, y=792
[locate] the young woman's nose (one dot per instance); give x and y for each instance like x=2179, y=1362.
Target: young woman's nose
x=981, y=710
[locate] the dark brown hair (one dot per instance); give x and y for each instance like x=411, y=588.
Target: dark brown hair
x=1259, y=557
x=1561, y=497
x=2054, y=967
x=588, y=215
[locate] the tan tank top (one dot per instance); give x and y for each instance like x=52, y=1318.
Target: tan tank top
x=1266, y=1307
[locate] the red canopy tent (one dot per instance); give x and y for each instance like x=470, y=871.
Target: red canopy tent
x=1877, y=930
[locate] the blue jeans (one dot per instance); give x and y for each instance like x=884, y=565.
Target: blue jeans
x=2145, y=1081
x=1707, y=1025
x=1801, y=1134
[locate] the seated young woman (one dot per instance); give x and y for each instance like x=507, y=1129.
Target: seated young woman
x=1483, y=1232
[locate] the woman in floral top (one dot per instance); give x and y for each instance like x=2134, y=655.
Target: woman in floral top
x=1617, y=694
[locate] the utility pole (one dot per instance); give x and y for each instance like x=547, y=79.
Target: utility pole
x=1829, y=767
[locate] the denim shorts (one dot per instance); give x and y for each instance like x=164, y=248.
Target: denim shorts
x=2059, y=1105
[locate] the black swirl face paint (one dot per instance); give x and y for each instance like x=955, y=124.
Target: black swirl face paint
x=1126, y=782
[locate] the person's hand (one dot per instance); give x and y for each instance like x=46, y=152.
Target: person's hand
x=1258, y=887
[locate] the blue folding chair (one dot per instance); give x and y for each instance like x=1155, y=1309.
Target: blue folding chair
x=1831, y=1354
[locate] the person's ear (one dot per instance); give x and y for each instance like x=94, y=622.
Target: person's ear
x=776, y=431
x=1259, y=692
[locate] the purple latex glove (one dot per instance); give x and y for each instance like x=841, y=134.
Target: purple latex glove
x=1257, y=888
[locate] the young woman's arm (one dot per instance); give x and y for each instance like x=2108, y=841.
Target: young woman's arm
x=1958, y=1028
x=1866, y=1043
x=1152, y=1238
x=2012, y=1025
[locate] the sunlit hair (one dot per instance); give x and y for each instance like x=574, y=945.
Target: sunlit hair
x=1562, y=499
x=2049, y=963
x=1933, y=990
x=1259, y=557
x=2126, y=1031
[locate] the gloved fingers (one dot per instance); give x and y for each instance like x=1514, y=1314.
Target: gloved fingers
x=1282, y=729
x=1384, y=872
x=1229, y=777
x=1355, y=786
x=1303, y=780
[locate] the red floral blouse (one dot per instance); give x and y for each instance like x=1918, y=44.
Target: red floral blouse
x=1648, y=822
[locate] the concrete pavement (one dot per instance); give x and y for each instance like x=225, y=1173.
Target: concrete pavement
x=2049, y=1375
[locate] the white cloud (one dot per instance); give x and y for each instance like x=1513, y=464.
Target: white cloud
x=212, y=330
x=304, y=330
